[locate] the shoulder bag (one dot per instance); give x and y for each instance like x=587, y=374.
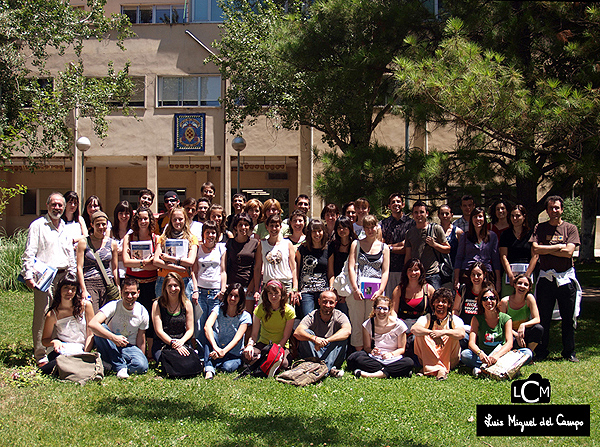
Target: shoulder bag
x=112, y=291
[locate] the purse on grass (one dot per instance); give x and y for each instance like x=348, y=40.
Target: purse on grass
x=112, y=291
x=79, y=368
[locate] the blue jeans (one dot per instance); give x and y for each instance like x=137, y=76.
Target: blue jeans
x=472, y=360
x=434, y=280
x=308, y=303
x=333, y=354
x=188, y=286
x=207, y=300
x=230, y=363
x=130, y=356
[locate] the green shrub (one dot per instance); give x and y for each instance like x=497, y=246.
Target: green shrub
x=11, y=251
x=573, y=209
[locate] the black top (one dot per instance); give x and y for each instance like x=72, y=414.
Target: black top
x=519, y=250
x=173, y=325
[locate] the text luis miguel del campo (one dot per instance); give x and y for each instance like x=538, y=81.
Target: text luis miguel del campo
x=532, y=419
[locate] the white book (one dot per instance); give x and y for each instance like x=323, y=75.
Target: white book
x=140, y=250
x=177, y=247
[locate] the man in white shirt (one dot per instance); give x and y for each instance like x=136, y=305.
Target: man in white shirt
x=119, y=330
x=48, y=243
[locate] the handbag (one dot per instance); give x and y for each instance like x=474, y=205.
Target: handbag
x=305, y=372
x=79, y=368
x=112, y=291
x=443, y=259
x=341, y=283
x=177, y=366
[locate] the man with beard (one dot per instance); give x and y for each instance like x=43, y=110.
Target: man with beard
x=49, y=244
x=324, y=333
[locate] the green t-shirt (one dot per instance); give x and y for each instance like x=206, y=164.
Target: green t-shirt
x=488, y=338
x=271, y=330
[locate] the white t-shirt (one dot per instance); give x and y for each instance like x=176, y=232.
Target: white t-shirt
x=126, y=322
x=209, y=267
x=387, y=342
x=196, y=229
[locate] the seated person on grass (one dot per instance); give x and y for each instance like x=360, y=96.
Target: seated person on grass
x=66, y=328
x=119, y=330
x=224, y=330
x=438, y=336
x=324, y=333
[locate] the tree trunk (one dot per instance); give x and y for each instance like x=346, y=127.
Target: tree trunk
x=589, y=198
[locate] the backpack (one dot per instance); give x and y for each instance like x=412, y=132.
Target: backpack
x=305, y=372
x=268, y=363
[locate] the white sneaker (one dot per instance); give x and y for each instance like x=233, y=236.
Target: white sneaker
x=336, y=372
x=476, y=372
x=123, y=374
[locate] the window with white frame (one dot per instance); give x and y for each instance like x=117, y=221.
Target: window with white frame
x=156, y=13
x=189, y=91
x=206, y=11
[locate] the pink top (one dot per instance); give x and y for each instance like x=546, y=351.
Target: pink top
x=387, y=342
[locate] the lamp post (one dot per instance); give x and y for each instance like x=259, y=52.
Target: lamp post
x=83, y=144
x=238, y=144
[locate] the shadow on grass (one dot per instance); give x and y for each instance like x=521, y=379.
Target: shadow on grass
x=586, y=335
x=15, y=355
x=276, y=429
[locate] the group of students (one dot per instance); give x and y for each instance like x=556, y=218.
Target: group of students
x=223, y=288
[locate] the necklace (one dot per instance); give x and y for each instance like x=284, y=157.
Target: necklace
x=172, y=310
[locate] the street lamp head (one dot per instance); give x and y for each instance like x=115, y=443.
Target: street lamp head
x=83, y=144
x=238, y=144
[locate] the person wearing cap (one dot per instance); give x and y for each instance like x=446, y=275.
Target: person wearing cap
x=171, y=200
x=88, y=272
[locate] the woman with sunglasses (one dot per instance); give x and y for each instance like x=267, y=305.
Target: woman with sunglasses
x=384, y=338
x=490, y=328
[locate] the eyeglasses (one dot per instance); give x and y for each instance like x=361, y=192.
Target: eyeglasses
x=170, y=200
x=382, y=309
x=488, y=298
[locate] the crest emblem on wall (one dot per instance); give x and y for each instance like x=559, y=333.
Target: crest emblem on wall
x=189, y=132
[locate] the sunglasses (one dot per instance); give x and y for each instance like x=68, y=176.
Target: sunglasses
x=382, y=309
x=488, y=298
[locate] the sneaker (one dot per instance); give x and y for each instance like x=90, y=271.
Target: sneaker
x=209, y=375
x=336, y=372
x=476, y=372
x=572, y=358
x=357, y=373
x=123, y=374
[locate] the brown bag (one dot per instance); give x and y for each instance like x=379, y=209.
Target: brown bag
x=79, y=368
x=305, y=373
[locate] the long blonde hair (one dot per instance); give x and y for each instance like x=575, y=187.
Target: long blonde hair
x=168, y=232
x=163, y=299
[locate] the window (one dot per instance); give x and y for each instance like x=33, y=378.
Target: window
x=206, y=11
x=138, y=95
x=156, y=14
x=189, y=91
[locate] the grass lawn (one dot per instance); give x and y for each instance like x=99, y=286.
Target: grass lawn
x=149, y=410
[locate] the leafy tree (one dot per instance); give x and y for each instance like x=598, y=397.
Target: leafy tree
x=36, y=105
x=323, y=64
x=326, y=65
x=521, y=121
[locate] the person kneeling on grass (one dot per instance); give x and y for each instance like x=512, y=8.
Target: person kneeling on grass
x=384, y=338
x=224, y=330
x=438, y=336
x=323, y=334
x=119, y=330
